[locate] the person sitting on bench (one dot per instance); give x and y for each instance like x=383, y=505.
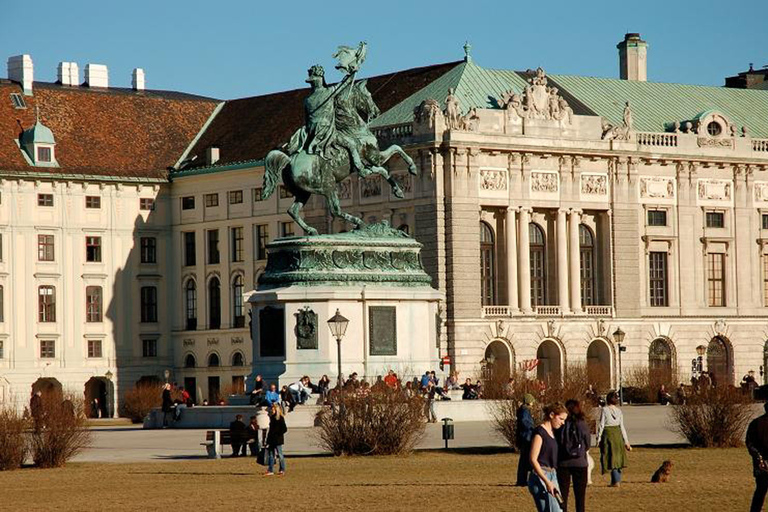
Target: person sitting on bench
x=238, y=433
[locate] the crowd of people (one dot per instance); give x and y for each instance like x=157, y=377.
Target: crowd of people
x=264, y=435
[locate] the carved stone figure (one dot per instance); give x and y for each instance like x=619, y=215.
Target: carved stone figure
x=471, y=121
x=623, y=132
x=306, y=329
x=545, y=182
x=427, y=112
x=538, y=101
x=334, y=143
x=594, y=184
x=452, y=111
x=493, y=179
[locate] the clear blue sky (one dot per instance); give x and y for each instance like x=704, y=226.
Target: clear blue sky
x=234, y=48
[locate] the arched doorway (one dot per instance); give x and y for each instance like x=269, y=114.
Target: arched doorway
x=660, y=362
x=47, y=386
x=97, y=398
x=499, y=362
x=599, y=364
x=550, y=368
x=719, y=361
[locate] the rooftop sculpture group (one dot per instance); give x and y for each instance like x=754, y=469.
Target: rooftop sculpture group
x=334, y=143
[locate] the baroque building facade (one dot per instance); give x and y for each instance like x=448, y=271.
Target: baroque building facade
x=553, y=210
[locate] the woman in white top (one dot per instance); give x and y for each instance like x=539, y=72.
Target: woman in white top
x=612, y=439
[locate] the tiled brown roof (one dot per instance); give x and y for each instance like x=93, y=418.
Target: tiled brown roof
x=248, y=128
x=104, y=132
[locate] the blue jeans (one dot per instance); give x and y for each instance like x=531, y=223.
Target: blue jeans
x=272, y=453
x=544, y=501
x=615, y=476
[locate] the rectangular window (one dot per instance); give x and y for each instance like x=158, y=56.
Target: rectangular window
x=190, y=258
x=715, y=219
x=47, y=349
x=657, y=269
x=43, y=154
x=258, y=194
x=93, y=249
x=716, y=279
x=188, y=203
x=2, y=355
x=211, y=200
x=765, y=281
x=146, y=203
x=17, y=100
x=235, y=197
x=44, y=199
x=46, y=301
x=213, y=246
x=284, y=192
x=286, y=228
x=657, y=217
x=383, y=330
x=237, y=244
x=262, y=237
x=93, y=202
x=765, y=221
x=45, y=249
x=2, y=305
x=149, y=348
x=1, y=247
x=93, y=304
x=94, y=348
x=148, y=304
x=148, y=249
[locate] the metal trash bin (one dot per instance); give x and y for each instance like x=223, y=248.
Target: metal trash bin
x=447, y=430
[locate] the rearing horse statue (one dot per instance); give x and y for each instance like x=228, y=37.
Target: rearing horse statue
x=335, y=142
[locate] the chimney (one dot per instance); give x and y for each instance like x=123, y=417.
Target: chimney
x=137, y=79
x=633, y=58
x=68, y=73
x=211, y=156
x=20, y=69
x=96, y=75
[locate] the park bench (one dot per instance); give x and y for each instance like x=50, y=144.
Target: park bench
x=214, y=439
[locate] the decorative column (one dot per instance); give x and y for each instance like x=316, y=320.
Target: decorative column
x=575, y=276
x=524, y=261
x=511, y=234
x=562, y=261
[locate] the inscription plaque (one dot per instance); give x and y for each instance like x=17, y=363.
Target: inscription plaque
x=272, y=332
x=382, y=330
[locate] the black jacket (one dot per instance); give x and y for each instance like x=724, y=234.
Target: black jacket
x=757, y=438
x=277, y=430
x=585, y=438
x=167, y=402
x=238, y=431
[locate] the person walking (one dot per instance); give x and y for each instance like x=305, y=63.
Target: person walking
x=429, y=402
x=167, y=404
x=276, y=440
x=542, y=481
x=612, y=439
x=757, y=444
x=523, y=435
x=573, y=442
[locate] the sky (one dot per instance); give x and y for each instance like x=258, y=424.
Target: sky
x=235, y=48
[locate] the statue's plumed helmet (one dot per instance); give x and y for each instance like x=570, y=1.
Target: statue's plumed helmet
x=316, y=71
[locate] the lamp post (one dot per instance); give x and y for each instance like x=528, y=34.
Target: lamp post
x=338, y=326
x=618, y=337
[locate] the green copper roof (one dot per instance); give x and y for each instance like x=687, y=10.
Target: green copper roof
x=474, y=87
x=655, y=105
x=38, y=134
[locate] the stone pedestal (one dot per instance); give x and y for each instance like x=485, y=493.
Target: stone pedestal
x=374, y=277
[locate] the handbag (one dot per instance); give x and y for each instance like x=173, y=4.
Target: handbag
x=261, y=457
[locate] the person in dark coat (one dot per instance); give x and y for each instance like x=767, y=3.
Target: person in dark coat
x=36, y=409
x=573, y=442
x=523, y=434
x=757, y=444
x=238, y=433
x=167, y=405
x=276, y=440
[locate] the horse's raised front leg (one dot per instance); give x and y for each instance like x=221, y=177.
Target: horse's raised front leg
x=335, y=208
x=298, y=203
x=392, y=182
x=395, y=149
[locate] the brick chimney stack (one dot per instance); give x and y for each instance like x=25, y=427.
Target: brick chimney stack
x=633, y=58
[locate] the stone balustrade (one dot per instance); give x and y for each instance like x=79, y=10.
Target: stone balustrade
x=507, y=311
x=760, y=145
x=667, y=140
x=398, y=131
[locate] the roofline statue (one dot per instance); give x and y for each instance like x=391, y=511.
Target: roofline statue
x=335, y=142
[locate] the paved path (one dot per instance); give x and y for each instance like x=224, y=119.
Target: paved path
x=645, y=425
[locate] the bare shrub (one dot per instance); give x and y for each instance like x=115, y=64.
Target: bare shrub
x=14, y=444
x=138, y=401
x=61, y=434
x=384, y=421
x=574, y=385
x=641, y=385
x=713, y=417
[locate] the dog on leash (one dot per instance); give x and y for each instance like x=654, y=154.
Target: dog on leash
x=662, y=474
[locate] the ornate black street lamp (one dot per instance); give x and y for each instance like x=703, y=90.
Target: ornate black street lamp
x=338, y=326
x=618, y=337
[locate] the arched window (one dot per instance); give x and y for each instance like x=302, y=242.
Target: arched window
x=214, y=304
x=190, y=304
x=587, y=265
x=487, y=265
x=660, y=361
x=538, y=265
x=237, y=359
x=213, y=360
x=190, y=361
x=719, y=361
x=238, y=313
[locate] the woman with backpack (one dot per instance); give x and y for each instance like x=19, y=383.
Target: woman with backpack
x=612, y=439
x=573, y=441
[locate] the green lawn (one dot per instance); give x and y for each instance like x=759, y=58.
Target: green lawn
x=702, y=480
